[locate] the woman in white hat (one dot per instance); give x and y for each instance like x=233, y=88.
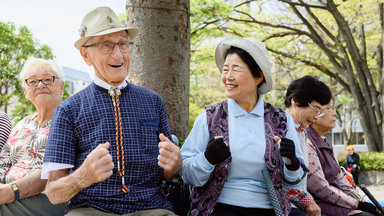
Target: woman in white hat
x=232, y=156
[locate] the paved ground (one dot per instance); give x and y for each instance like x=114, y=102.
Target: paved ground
x=377, y=191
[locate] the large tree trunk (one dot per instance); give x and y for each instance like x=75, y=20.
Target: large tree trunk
x=160, y=58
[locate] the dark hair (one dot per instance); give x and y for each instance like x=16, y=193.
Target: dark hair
x=248, y=59
x=307, y=89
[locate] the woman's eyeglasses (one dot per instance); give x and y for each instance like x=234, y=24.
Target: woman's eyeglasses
x=35, y=82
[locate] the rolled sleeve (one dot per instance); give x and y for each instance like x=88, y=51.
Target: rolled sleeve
x=61, y=141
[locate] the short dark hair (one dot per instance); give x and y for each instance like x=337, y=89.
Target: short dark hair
x=307, y=89
x=247, y=58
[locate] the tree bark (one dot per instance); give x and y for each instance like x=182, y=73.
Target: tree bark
x=161, y=53
x=380, y=68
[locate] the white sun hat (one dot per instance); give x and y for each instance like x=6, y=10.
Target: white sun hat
x=253, y=47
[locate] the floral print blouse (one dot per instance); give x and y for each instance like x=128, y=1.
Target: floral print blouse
x=24, y=151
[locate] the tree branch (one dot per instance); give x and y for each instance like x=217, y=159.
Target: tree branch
x=246, y=2
x=313, y=64
x=333, y=57
x=253, y=20
x=204, y=26
x=320, y=24
x=363, y=46
x=303, y=4
x=231, y=31
x=380, y=56
x=279, y=35
x=363, y=73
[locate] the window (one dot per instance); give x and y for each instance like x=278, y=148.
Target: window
x=358, y=138
x=338, y=139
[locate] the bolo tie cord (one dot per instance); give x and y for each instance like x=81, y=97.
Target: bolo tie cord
x=119, y=138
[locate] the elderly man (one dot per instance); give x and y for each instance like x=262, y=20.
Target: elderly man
x=21, y=189
x=108, y=149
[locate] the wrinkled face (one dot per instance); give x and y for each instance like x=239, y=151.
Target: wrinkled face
x=328, y=120
x=306, y=115
x=113, y=67
x=238, y=80
x=42, y=94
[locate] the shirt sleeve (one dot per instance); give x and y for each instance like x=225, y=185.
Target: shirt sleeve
x=61, y=140
x=164, y=124
x=5, y=128
x=319, y=187
x=196, y=168
x=5, y=162
x=298, y=175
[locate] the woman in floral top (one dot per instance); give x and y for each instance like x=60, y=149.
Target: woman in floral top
x=22, y=156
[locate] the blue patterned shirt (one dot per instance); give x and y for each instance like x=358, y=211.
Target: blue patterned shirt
x=86, y=119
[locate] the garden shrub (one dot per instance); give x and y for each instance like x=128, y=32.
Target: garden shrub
x=369, y=161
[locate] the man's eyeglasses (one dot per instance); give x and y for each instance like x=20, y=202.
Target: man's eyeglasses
x=107, y=47
x=317, y=110
x=35, y=82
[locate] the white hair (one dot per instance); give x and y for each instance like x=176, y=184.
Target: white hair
x=32, y=61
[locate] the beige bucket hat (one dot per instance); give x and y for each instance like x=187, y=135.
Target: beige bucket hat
x=102, y=21
x=256, y=49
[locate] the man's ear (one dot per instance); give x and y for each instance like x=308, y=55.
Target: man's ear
x=85, y=54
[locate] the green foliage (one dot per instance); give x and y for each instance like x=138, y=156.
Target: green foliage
x=16, y=45
x=194, y=111
x=369, y=161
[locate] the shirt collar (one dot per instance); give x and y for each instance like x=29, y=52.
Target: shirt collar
x=106, y=85
x=298, y=127
x=237, y=111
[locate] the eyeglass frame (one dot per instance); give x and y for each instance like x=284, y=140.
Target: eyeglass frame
x=130, y=43
x=41, y=80
x=327, y=109
x=320, y=112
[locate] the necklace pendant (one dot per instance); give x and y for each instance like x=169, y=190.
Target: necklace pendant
x=124, y=189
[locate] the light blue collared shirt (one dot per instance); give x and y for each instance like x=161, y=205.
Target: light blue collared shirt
x=245, y=184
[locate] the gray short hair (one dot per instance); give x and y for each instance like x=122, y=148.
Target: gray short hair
x=31, y=61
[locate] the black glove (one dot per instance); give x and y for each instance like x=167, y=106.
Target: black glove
x=367, y=207
x=287, y=150
x=217, y=151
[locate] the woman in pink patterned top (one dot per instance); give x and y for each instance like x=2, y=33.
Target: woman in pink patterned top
x=22, y=156
x=326, y=181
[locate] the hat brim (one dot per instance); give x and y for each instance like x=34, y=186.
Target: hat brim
x=132, y=33
x=259, y=54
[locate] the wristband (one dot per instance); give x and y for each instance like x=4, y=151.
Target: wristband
x=15, y=190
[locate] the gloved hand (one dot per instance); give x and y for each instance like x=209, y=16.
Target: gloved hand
x=217, y=151
x=367, y=207
x=287, y=151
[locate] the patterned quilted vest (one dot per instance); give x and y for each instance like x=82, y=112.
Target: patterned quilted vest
x=203, y=199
